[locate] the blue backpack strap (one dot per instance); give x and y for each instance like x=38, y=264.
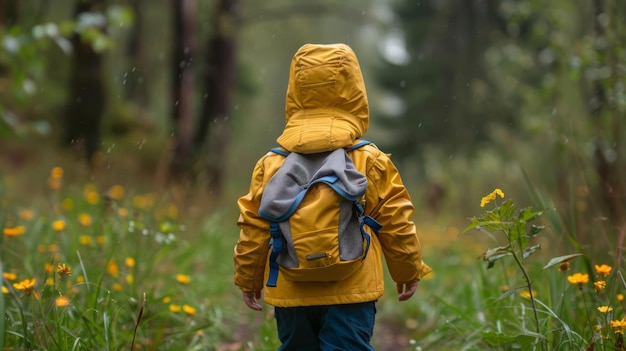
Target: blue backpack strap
x=370, y=222
x=362, y=142
x=277, y=238
x=277, y=246
x=279, y=151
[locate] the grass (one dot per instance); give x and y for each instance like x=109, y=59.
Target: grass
x=92, y=267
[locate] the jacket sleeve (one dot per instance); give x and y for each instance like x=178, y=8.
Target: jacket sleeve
x=392, y=207
x=250, y=254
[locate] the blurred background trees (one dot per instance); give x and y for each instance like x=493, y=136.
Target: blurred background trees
x=525, y=95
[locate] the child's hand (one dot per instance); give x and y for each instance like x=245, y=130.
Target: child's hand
x=406, y=290
x=250, y=297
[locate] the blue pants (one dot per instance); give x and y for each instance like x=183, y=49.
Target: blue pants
x=324, y=328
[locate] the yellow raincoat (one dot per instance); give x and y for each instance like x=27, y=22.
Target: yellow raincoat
x=327, y=109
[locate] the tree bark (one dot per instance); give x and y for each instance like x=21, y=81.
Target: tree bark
x=8, y=13
x=134, y=79
x=182, y=87
x=608, y=141
x=213, y=133
x=86, y=102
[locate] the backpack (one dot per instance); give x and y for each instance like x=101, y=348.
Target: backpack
x=316, y=221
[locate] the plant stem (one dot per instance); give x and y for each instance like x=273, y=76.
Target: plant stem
x=530, y=290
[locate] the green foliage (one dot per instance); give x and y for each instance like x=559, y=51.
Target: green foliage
x=551, y=322
x=25, y=58
x=98, y=268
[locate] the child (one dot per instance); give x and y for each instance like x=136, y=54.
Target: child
x=327, y=109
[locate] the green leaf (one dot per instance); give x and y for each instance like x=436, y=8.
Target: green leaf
x=482, y=224
x=530, y=250
x=517, y=231
x=527, y=214
x=508, y=293
x=506, y=210
x=535, y=229
x=497, y=339
x=492, y=255
x=560, y=259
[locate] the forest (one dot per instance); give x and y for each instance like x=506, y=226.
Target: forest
x=129, y=128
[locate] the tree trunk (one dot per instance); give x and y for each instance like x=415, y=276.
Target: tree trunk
x=213, y=133
x=608, y=120
x=134, y=79
x=8, y=13
x=86, y=103
x=182, y=86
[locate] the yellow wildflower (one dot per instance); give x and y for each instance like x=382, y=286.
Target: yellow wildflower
x=9, y=276
x=167, y=299
x=605, y=309
x=58, y=225
x=14, y=231
x=578, y=279
x=112, y=268
x=90, y=192
x=54, y=183
x=67, y=204
x=618, y=326
x=56, y=173
x=130, y=279
x=100, y=239
x=487, y=199
x=189, y=310
x=5, y=290
x=92, y=197
x=525, y=294
x=620, y=297
x=26, y=214
x=172, y=211
x=27, y=286
x=130, y=262
x=116, y=192
x=603, y=270
x=84, y=219
x=64, y=271
x=80, y=279
x=122, y=212
x=48, y=268
x=62, y=301
x=183, y=279
x=52, y=248
x=117, y=287
x=50, y=281
x=599, y=285
x=85, y=240
x=140, y=201
x=174, y=308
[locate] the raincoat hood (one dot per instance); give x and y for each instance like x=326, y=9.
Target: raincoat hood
x=326, y=106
